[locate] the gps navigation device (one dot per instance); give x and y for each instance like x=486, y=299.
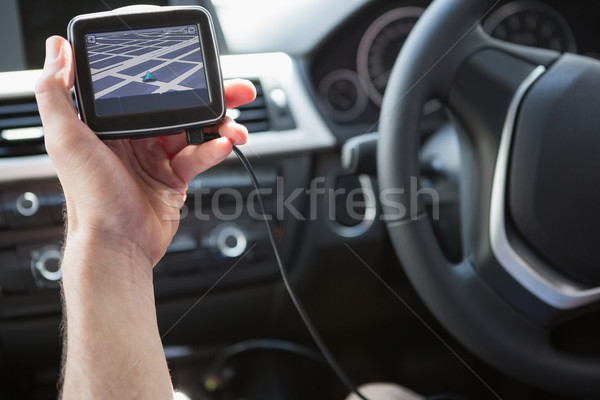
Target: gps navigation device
x=148, y=71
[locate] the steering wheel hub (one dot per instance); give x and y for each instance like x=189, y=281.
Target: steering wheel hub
x=554, y=179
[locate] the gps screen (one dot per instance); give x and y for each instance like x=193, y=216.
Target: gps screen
x=145, y=70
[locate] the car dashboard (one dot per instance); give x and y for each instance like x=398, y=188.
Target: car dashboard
x=320, y=83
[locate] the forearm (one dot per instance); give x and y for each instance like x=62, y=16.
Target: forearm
x=113, y=344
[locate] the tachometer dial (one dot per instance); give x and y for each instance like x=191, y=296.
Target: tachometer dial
x=344, y=94
x=531, y=23
x=380, y=46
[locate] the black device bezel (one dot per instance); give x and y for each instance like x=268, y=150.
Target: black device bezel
x=162, y=122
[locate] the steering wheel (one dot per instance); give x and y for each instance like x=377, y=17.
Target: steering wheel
x=528, y=122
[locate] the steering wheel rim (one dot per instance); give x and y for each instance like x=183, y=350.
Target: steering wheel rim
x=490, y=312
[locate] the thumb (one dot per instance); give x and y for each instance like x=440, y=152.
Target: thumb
x=63, y=130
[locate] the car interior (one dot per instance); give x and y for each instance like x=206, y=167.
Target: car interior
x=429, y=169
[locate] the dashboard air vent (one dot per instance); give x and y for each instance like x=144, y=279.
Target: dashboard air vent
x=255, y=115
x=20, y=128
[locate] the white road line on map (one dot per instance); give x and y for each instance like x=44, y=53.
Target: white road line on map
x=111, y=70
x=184, y=55
x=174, y=84
x=102, y=72
x=161, y=87
x=188, y=73
x=112, y=88
x=166, y=86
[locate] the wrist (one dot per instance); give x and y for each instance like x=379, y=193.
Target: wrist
x=107, y=292
x=115, y=261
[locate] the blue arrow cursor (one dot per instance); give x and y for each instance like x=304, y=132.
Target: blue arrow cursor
x=149, y=77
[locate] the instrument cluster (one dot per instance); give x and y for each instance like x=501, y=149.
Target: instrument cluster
x=351, y=69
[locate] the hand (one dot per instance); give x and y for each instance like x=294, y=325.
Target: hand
x=124, y=194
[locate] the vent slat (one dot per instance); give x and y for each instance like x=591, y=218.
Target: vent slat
x=256, y=127
x=16, y=114
x=20, y=122
x=259, y=102
x=23, y=108
x=255, y=115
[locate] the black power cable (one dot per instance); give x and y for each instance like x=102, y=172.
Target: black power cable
x=335, y=366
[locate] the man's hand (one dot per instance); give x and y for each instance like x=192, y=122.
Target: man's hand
x=124, y=190
x=122, y=198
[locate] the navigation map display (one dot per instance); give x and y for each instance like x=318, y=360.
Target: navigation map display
x=146, y=70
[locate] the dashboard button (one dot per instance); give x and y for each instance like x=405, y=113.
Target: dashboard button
x=27, y=204
x=229, y=240
x=25, y=208
x=46, y=266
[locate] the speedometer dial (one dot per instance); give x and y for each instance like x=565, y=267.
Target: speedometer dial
x=380, y=46
x=531, y=23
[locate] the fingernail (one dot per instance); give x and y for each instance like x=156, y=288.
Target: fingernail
x=52, y=49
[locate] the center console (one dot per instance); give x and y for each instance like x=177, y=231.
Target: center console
x=221, y=236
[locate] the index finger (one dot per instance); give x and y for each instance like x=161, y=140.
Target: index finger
x=238, y=92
